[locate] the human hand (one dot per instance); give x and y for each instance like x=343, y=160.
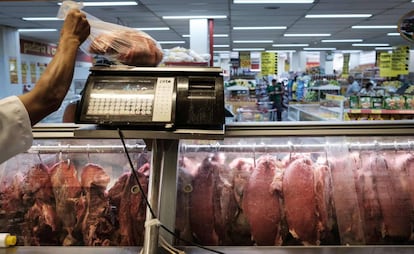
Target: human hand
x=75, y=27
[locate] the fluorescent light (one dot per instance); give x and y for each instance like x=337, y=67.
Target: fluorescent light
x=384, y=48
x=220, y=35
x=259, y=27
x=374, y=27
x=370, y=44
x=254, y=41
x=281, y=51
x=350, y=51
x=273, y=1
x=221, y=51
x=37, y=30
x=345, y=40
x=321, y=49
x=214, y=35
x=248, y=49
x=95, y=4
x=221, y=46
x=338, y=16
x=152, y=28
x=394, y=34
x=196, y=17
x=41, y=18
x=306, y=35
x=171, y=42
x=290, y=45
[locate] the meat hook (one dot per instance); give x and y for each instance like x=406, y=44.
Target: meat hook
x=88, y=153
x=254, y=155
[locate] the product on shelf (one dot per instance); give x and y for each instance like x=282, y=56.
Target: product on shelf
x=394, y=102
x=365, y=102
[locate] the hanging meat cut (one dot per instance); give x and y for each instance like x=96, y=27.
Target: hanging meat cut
x=186, y=170
x=128, y=200
x=299, y=201
x=67, y=190
x=95, y=218
x=261, y=203
x=202, y=213
x=41, y=223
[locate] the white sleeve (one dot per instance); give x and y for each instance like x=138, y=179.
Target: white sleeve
x=15, y=128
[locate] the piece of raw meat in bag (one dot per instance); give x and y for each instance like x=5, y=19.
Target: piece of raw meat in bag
x=118, y=43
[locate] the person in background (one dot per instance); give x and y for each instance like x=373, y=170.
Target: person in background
x=353, y=87
x=368, y=90
x=19, y=113
x=294, y=88
x=275, y=91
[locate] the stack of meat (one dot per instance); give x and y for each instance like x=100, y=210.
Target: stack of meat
x=302, y=199
x=53, y=206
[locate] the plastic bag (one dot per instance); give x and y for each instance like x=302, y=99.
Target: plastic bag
x=179, y=54
x=118, y=43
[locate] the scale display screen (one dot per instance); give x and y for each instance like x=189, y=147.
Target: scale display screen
x=129, y=100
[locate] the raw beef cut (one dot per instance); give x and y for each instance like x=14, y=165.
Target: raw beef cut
x=67, y=190
x=299, y=201
x=368, y=198
x=345, y=198
x=42, y=226
x=394, y=202
x=239, y=226
x=130, y=207
x=225, y=205
x=37, y=184
x=324, y=204
x=184, y=190
x=242, y=169
x=202, y=213
x=128, y=47
x=261, y=203
x=95, y=225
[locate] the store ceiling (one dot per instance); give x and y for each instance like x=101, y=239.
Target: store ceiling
x=149, y=13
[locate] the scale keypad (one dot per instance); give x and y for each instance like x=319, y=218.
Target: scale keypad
x=120, y=106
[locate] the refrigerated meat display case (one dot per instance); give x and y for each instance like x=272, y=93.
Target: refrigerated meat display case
x=257, y=188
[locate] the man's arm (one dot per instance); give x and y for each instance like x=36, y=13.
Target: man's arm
x=50, y=90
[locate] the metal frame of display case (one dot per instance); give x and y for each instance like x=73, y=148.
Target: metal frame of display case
x=164, y=147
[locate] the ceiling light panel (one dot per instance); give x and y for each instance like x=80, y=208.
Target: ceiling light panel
x=97, y=4
x=196, y=17
x=370, y=44
x=171, y=42
x=291, y=45
x=253, y=41
x=152, y=28
x=375, y=27
x=326, y=16
x=37, y=30
x=319, y=49
x=41, y=18
x=259, y=28
x=273, y=1
x=344, y=40
x=306, y=35
x=248, y=49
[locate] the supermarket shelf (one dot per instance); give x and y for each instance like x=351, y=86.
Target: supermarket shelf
x=380, y=111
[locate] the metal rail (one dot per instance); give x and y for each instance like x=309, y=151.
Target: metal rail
x=85, y=148
x=263, y=148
